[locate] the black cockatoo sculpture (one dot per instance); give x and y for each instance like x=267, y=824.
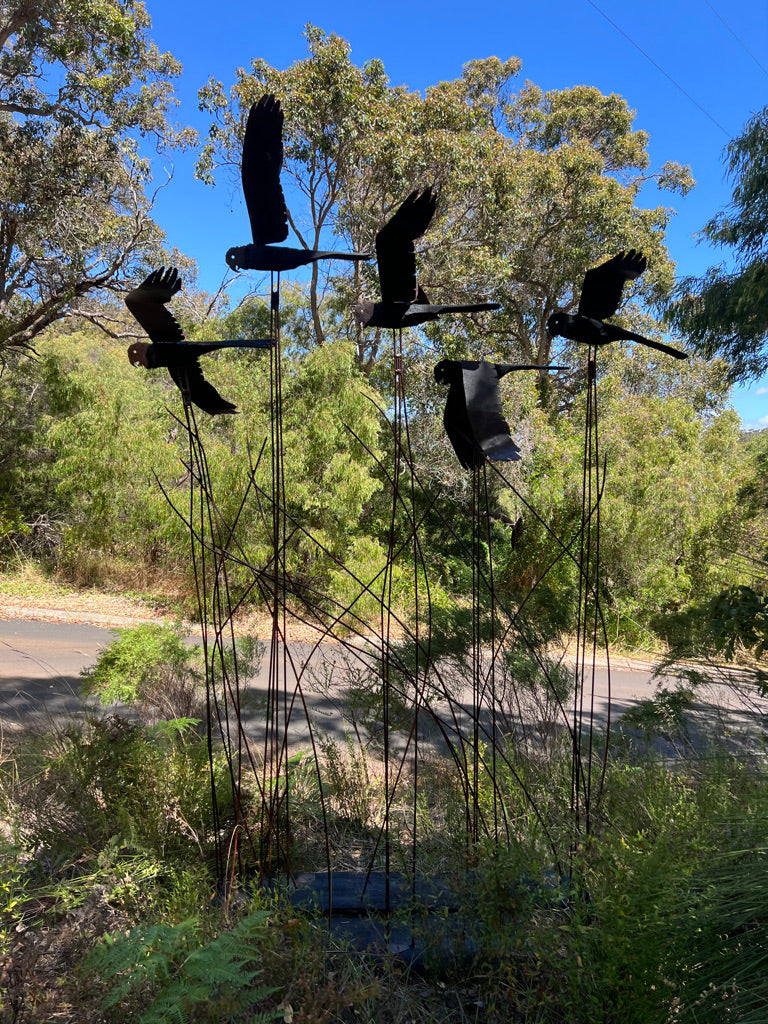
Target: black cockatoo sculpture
x=403, y=301
x=600, y=298
x=473, y=419
x=168, y=347
x=268, y=214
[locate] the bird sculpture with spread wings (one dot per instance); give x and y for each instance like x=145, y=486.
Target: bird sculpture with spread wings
x=600, y=298
x=264, y=199
x=403, y=301
x=148, y=304
x=473, y=417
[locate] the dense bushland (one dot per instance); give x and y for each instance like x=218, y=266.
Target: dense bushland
x=94, y=458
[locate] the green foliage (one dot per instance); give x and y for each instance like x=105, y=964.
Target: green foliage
x=636, y=939
x=728, y=624
x=150, y=665
x=727, y=636
x=671, y=500
x=739, y=622
x=107, y=446
x=707, y=908
x=175, y=976
x=663, y=715
x=541, y=568
x=671, y=509
x=724, y=312
x=673, y=506
x=726, y=908
x=29, y=513
x=112, y=442
x=682, y=490
x=329, y=470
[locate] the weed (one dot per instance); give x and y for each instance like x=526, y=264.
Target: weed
x=350, y=785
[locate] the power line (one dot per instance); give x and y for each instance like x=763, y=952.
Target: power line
x=661, y=69
x=738, y=40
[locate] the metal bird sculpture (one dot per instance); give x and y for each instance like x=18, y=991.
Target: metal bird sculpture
x=473, y=419
x=600, y=298
x=403, y=301
x=168, y=347
x=268, y=214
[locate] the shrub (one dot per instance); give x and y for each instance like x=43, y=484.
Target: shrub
x=152, y=667
x=72, y=793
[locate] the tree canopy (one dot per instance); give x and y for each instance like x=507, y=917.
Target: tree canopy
x=725, y=312
x=534, y=187
x=80, y=84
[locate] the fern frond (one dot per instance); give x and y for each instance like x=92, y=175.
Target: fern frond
x=183, y=977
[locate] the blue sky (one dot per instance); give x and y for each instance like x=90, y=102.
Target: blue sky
x=694, y=71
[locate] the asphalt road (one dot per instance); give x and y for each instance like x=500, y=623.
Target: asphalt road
x=40, y=665
x=41, y=662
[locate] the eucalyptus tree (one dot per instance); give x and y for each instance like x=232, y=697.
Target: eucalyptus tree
x=535, y=186
x=81, y=83
x=725, y=312
x=565, y=194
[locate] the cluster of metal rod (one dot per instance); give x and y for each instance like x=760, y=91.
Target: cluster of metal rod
x=400, y=656
x=590, y=629
x=420, y=688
